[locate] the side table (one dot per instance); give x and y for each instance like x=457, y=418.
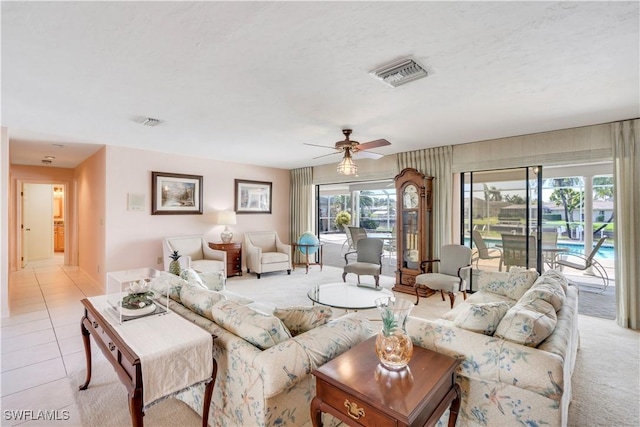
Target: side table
x=234, y=256
x=356, y=389
x=126, y=362
x=298, y=248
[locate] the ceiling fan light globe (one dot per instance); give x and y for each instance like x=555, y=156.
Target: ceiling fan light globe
x=347, y=167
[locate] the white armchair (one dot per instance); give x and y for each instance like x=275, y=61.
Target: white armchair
x=196, y=254
x=264, y=252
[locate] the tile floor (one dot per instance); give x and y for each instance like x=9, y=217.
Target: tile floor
x=41, y=342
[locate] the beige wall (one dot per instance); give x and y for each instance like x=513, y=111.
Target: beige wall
x=133, y=238
x=91, y=231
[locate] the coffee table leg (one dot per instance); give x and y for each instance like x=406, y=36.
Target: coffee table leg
x=455, y=407
x=87, y=351
x=316, y=413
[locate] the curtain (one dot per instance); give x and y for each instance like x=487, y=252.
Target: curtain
x=301, y=208
x=435, y=162
x=626, y=175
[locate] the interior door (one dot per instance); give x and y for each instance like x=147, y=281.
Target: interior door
x=37, y=208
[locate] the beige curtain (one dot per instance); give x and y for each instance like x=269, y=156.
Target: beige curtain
x=626, y=173
x=435, y=162
x=301, y=202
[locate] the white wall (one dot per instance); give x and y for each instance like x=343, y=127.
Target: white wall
x=133, y=238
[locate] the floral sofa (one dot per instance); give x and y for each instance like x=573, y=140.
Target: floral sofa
x=265, y=355
x=518, y=338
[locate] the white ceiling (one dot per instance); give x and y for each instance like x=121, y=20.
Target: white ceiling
x=252, y=81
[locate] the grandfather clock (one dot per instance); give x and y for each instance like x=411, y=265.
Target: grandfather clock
x=414, y=227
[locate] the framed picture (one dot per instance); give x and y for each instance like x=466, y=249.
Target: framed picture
x=175, y=194
x=252, y=196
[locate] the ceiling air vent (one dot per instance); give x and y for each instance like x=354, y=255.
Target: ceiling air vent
x=400, y=72
x=149, y=121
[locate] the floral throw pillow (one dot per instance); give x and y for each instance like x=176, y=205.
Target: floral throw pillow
x=512, y=284
x=168, y=283
x=260, y=330
x=528, y=324
x=213, y=280
x=200, y=300
x=302, y=319
x=481, y=317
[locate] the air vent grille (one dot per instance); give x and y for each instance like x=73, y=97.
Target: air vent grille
x=399, y=73
x=149, y=121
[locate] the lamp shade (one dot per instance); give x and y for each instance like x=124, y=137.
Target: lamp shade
x=225, y=218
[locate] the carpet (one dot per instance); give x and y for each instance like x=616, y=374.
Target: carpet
x=606, y=384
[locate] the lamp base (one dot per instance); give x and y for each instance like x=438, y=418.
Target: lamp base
x=226, y=236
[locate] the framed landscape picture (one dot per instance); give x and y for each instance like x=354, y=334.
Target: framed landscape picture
x=175, y=194
x=252, y=196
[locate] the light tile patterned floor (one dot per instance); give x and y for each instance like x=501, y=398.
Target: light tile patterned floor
x=42, y=344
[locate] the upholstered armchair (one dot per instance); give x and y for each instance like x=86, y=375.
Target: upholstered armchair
x=196, y=254
x=368, y=261
x=264, y=253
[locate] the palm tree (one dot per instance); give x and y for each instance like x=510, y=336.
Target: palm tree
x=566, y=196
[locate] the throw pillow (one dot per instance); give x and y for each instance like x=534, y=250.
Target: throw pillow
x=546, y=291
x=200, y=300
x=258, y=329
x=191, y=276
x=302, y=319
x=553, y=276
x=526, y=325
x=213, y=280
x=481, y=317
x=168, y=283
x=512, y=284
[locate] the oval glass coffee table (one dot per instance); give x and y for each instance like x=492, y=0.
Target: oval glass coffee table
x=347, y=296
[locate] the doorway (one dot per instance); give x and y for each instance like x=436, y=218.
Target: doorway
x=42, y=226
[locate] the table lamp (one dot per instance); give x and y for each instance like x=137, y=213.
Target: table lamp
x=226, y=218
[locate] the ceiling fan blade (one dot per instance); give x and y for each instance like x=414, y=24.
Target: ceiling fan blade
x=367, y=155
x=325, y=155
x=373, y=144
x=316, y=145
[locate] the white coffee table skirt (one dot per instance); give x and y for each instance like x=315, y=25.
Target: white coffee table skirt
x=174, y=353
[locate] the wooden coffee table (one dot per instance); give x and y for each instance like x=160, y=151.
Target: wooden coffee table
x=356, y=389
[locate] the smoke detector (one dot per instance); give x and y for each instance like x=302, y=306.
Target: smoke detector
x=400, y=72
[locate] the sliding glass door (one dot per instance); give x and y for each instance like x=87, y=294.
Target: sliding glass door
x=502, y=219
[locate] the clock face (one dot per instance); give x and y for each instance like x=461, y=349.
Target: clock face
x=410, y=197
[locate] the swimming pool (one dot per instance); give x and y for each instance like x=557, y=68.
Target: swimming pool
x=605, y=251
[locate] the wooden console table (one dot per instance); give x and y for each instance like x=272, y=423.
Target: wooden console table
x=126, y=362
x=359, y=391
x=297, y=253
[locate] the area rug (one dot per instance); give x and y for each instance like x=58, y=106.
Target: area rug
x=105, y=403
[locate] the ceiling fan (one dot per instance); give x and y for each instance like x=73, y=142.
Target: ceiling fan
x=349, y=148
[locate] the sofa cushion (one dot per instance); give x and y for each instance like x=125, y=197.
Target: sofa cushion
x=528, y=324
x=554, y=277
x=200, y=300
x=512, y=284
x=168, y=283
x=482, y=317
x=258, y=329
x=302, y=319
x=546, y=291
x=213, y=280
x=191, y=276
x=274, y=257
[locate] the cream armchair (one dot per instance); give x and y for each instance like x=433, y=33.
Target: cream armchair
x=264, y=252
x=196, y=254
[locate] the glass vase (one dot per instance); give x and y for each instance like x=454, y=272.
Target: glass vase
x=393, y=346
